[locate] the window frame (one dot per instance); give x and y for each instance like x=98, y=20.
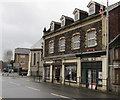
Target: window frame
x=116, y=53
x=51, y=48
x=62, y=22
x=34, y=59
x=93, y=7
x=69, y=72
x=78, y=15
x=22, y=56
x=74, y=42
x=47, y=72
x=52, y=26
x=63, y=45
x=93, y=38
x=117, y=75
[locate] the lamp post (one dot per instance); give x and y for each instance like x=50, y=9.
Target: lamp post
x=38, y=66
x=107, y=49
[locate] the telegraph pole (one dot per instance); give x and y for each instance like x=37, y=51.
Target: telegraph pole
x=107, y=49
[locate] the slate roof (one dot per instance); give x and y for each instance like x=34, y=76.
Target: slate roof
x=111, y=7
x=22, y=51
x=38, y=44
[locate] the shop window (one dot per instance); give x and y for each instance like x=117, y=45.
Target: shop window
x=62, y=44
x=51, y=47
x=117, y=76
x=47, y=72
x=70, y=73
x=22, y=56
x=76, y=41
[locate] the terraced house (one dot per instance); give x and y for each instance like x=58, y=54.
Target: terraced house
x=75, y=49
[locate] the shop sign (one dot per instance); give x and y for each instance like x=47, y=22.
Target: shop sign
x=100, y=75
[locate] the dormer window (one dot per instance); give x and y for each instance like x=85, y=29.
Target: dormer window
x=63, y=22
x=91, y=9
x=76, y=14
x=52, y=26
x=76, y=17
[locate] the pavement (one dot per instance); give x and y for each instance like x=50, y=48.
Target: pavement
x=15, y=86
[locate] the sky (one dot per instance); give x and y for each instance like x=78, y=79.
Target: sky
x=22, y=21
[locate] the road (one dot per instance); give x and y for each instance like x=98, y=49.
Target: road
x=23, y=87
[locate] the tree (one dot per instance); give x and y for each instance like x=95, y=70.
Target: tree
x=8, y=55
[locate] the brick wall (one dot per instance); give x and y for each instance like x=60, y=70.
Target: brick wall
x=68, y=38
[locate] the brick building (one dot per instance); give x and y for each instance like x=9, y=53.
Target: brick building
x=114, y=61
x=75, y=49
x=21, y=59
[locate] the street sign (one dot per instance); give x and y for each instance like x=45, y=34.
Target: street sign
x=16, y=64
x=9, y=65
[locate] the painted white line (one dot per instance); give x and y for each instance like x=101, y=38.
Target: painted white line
x=32, y=88
x=15, y=83
x=60, y=96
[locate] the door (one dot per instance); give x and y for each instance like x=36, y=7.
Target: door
x=57, y=74
x=92, y=78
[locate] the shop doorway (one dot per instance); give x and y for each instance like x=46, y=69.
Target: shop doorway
x=92, y=74
x=57, y=74
x=91, y=78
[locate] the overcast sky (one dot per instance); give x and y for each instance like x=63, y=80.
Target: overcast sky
x=22, y=21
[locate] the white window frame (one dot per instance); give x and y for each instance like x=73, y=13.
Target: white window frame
x=76, y=14
x=75, y=42
x=62, y=45
x=62, y=22
x=51, y=47
x=92, y=7
x=52, y=26
x=91, y=38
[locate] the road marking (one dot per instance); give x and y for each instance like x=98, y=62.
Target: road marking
x=32, y=88
x=15, y=83
x=60, y=95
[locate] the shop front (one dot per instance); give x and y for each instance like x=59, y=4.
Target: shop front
x=70, y=72
x=46, y=72
x=57, y=78
x=91, y=74
x=57, y=71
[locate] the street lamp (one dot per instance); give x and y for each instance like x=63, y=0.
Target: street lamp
x=38, y=68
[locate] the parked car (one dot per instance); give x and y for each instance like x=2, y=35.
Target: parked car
x=5, y=70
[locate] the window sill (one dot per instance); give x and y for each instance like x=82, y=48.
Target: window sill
x=116, y=59
x=116, y=83
x=51, y=52
x=75, y=48
x=47, y=78
x=92, y=46
x=62, y=51
x=71, y=81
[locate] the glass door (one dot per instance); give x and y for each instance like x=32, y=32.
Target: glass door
x=92, y=78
